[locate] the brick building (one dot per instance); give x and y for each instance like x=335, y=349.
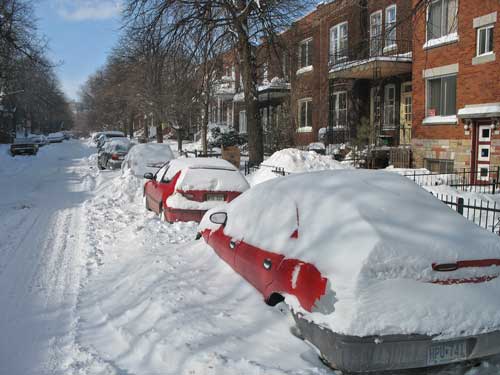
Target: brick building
x=456, y=90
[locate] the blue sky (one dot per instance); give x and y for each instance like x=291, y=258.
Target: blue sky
x=81, y=33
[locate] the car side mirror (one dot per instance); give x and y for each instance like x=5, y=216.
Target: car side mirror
x=148, y=176
x=219, y=218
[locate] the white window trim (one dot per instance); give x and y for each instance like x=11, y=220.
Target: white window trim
x=246, y=123
x=481, y=138
x=308, y=127
x=440, y=71
x=379, y=36
x=394, y=45
x=484, y=158
x=478, y=34
x=442, y=40
x=483, y=178
x=337, y=94
x=384, y=124
x=309, y=63
x=438, y=120
x=337, y=26
x=485, y=20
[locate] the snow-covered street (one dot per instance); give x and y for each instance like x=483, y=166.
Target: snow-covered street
x=92, y=283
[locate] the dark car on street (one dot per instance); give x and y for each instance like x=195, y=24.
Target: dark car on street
x=23, y=146
x=112, y=153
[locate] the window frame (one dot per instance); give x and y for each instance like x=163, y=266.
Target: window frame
x=334, y=47
x=385, y=124
x=376, y=40
x=336, y=109
x=392, y=24
x=244, y=112
x=447, y=163
x=489, y=29
x=449, y=31
x=427, y=95
x=308, y=102
x=307, y=43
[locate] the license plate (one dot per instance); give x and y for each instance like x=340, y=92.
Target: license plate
x=215, y=197
x=447, y=352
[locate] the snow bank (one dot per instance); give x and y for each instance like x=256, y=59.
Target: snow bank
x=147, y=157
x=293, y=161
x=375, y=236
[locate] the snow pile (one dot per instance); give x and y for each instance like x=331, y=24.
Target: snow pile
x=423, y=176
x=293, y=161
x=375, y=236
x=147, y=157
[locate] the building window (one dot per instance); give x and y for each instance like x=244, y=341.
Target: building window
x=243, y=122
x=338, y=42
x=338, y=107
x=390, y=26
x=390, y=106
x=408, y=109
x=441, y=18
x=305, y=53
x=442, y=96
x=265, y=72
x=305, y=114
x=376, y=33
x=439, y=165
x=485, y=40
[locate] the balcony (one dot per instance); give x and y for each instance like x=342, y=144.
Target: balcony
x=225, y=88
x=371, y=60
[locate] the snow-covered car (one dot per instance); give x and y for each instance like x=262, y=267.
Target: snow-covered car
x=57, y=137
x=147, y=157
x=113, y=153
x=39, y=139
x=108, y=135
x=379, y=275
x=317, y=147
x=184, y=189
x=23, y=146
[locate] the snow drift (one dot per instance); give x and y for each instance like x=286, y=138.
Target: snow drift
x=293, y=161
x=375, y=236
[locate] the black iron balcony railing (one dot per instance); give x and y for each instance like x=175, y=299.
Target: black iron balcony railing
x=374, y=48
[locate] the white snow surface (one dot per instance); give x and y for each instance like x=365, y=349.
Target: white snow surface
x=375, y=236
x=92, y=283
x=147, y=157
x=293, y=161
x=203, y=178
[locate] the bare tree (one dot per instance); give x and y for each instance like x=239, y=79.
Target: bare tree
x=245, y=22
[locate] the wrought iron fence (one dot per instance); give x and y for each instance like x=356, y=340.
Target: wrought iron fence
x=251, y=168
x=486, y=214
x=372, y=48
x=463, y=180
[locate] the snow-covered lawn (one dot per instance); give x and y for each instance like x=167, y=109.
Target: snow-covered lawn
x=91, y=283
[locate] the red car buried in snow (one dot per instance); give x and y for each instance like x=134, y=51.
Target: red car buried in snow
x=379, y=275
x=184, y=189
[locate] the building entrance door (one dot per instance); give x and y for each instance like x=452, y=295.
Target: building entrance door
x=482, y=150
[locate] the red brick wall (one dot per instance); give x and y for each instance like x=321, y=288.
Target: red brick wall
x=476, y=84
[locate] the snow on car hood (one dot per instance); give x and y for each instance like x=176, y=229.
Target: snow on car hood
x=375, y=236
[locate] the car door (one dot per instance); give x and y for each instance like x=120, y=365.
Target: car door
x=256, y=265
x=153, y=193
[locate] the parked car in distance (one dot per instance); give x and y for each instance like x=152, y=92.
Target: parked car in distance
x=113, y=152
x=379, y=275
x=184, y=189
x=108, y=135
x=147, y=157
x=23, y=146
x=39, y=139
x=57, y=137
x=317, y=147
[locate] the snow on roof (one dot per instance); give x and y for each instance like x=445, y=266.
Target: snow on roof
x=147, y=157
x=374, y=235
x=293, y=161
x=209, y=174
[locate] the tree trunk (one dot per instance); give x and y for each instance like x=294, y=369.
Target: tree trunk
x=204, y=125
x=179, y=139
x=254, y=125
x=159, y=130
x=131, y=125
x=146, y=128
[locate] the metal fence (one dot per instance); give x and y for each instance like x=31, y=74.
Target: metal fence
x=486, y=214
x=251, y=168
x=466, y=180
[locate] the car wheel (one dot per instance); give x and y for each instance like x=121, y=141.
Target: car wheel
x=163, y=216
x=100, y=166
